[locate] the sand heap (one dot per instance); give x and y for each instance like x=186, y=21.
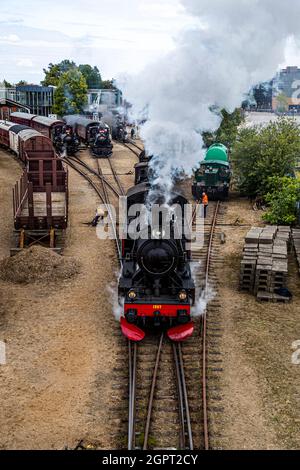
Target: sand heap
x=38, y=264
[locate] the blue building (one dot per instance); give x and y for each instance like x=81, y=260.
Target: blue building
x=39, y=99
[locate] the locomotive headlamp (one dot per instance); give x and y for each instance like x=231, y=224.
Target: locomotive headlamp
x=158, y=234
x=132, y=294
x=182, y=295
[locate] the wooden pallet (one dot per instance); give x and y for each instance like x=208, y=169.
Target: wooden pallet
x=271, y=297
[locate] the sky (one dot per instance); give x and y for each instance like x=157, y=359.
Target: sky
x=117, y=36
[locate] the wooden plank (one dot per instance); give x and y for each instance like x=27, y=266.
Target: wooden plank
x=30, y=204
x=58, y=203
x=17, y=193
x=41, y=173
x=49, y=203
x=14, y=201
x=54, y=173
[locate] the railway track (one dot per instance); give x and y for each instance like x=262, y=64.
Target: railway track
x=130, y=141
x=156, y=367
x=210, y=331
x=173, y=389
x=136, y=150
x=101, y=185
x=169, y=404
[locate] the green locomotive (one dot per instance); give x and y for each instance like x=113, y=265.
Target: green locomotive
x=214, y=174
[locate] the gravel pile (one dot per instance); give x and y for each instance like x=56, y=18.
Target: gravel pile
x=38, y=264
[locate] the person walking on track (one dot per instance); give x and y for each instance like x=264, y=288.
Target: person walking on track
x=205, y=203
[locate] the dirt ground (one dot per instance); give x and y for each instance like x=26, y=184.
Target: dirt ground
x=61, y=338
x=63, y=343
x=260, y=383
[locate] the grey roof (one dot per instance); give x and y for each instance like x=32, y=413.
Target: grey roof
x=23, y=115
x=6, y=124
x=47, y=121
x=35, y=88
x=28, y=133
x=83, y=121
x=18, y=128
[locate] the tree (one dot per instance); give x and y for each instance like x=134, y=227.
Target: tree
x=22, y=83
x=108, y=85
x=263, y=152
x=6, y=84
x=282, y=103
x=227, y=132
x=70, y=95
x=55, y=71
x=282, y=198
x=91, y=75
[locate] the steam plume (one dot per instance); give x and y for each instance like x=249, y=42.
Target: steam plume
x=236, y=44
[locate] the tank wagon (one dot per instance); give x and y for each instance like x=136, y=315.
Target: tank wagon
x=214, y=174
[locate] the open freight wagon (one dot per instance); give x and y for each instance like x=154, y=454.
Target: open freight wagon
x=40, y=199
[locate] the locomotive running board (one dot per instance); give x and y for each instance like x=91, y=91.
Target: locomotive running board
x=181, y=332
x=132, y=332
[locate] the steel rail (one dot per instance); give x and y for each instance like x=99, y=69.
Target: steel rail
x=151, y=396
x=117, y=179
x=135, y=145
x=132, y=355
x=103, y=196
x=137, y=154
x=94, y=172
x=184, y=411
x=108, y=207
x=204, y=332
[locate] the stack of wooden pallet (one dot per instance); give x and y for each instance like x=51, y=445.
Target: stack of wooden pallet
x=296, y=243
x=264, y=267
x=249, y=261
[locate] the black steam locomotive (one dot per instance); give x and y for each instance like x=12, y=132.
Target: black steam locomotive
x=156, y=284
x=142, y=170
x=68, y=141
x=119, y=132
x=102, y=146
x=93, y=134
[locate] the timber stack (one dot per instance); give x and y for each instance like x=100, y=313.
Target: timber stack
x=264, y=267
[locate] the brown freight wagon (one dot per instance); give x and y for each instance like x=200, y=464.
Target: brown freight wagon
x=40, y=198
x=49, y=127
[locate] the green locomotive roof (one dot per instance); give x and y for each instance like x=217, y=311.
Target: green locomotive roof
x=216, y=153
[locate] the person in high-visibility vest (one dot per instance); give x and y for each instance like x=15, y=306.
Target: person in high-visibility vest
x=205, y=203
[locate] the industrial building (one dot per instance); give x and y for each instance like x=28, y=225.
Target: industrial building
x=286, y=90
x=38, y=98
x=34, y=99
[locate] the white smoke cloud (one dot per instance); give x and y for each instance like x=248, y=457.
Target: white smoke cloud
x=206, y=296
x=117, y=309
x=237, y=43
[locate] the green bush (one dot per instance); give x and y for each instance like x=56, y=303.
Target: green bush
x=282, y=198
x=260, y=153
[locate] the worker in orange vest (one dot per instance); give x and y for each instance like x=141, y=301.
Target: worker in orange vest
x=205, y=203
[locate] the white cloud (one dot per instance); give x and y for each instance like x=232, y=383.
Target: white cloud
x=116, y=36
x=10, y=38
x=25, y=63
